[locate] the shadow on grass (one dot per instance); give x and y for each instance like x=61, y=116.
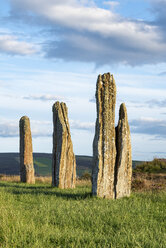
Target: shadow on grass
x=21, y=189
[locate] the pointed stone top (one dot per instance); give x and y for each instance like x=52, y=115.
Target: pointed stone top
x=23, y=118
x=24, y=123
x=106, y=77
x=122, y=112
x=60, y=110
x=57, y=105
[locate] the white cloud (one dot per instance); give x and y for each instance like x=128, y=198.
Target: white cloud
x=157, y=103
x=8, y=129
x=75, y=124
x=11, y=45
x=112, y=4
x=46, y=97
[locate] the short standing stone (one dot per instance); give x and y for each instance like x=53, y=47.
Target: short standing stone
x=123, y=171
x=104, y=147
x=26, y=153
x=64, y=163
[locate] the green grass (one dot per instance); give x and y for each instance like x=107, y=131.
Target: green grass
x=41, y=217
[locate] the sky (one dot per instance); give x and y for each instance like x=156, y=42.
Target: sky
x=54, y=50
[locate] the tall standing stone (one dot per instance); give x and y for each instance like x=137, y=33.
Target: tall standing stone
x=26, y=153
x=64, y=163
x=104, y=145
x=123, y=171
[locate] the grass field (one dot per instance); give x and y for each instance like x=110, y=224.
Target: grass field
x=41, y=217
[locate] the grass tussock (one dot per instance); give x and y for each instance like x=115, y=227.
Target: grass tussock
x=16, y=178
x=9, y=178
x=44, y=180
x=140, y=181
x=148, y=182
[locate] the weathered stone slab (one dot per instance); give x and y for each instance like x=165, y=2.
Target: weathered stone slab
x=104, y=147
x=64, y=163
x=26, y=153
x=123, y=170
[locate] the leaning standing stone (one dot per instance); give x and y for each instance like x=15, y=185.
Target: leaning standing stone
x=123, y=171
x=104, y=147
x=26, y=153
x=63, y=163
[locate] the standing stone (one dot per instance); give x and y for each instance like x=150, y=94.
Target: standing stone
x=26, y=153
x=123, y=171
x=104, y=145
x=64, y=163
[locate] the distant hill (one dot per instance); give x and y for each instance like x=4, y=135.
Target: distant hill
x=9, y=164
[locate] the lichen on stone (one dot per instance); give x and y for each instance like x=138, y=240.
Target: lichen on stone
x=63, y=162
x=112, y=164
x=104, y=148
x=26, y=152
x=124, y=159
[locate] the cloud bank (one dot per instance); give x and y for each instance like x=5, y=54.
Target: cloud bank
x=10, y=129
x=149, y=126
x=82, y=31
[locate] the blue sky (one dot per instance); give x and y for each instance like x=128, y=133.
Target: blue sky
x=54, y=50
